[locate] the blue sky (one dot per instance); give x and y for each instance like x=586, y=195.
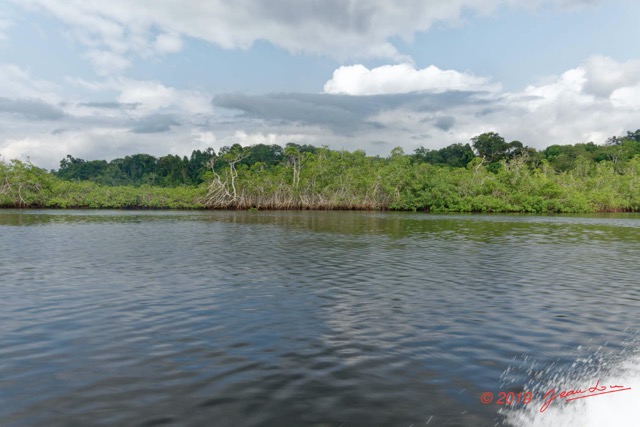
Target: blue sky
x=103, y=79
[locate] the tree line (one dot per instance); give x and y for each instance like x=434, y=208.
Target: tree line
x=169, y=170
x=173, y=170
x=489, y=174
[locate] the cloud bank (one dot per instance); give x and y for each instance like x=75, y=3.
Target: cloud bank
x=375, y=110
x=115, y=31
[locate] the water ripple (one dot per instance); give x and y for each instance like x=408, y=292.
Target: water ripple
x=295, y=318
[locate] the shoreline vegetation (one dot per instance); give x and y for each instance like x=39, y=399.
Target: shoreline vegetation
x=488, y=175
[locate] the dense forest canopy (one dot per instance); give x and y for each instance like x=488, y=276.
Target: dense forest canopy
x=173, y=170
x=488, y=174
x=170, y=170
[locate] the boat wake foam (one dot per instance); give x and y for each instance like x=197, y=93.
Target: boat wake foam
x=590, y=406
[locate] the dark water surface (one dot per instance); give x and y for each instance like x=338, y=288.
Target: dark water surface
x=298, y=318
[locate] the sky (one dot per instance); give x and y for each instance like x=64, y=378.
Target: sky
x=101, y=79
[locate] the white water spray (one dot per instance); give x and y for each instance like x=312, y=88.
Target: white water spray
x=597, y=402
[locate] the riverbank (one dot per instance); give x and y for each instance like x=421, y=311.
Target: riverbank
x=554, y=199
x=351, y=181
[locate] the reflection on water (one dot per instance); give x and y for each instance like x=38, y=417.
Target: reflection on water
x=298, y=318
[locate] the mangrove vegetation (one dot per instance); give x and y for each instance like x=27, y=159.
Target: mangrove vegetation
x=488, y=174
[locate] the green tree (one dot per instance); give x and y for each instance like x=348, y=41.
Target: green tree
x=490, y=146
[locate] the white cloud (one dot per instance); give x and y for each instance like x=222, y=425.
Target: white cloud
x=148, y=96
x=588, y=103
x=560, y=110
x=402, y=78
x=337, y=28
x=243, y=138
x=45, y=149
x=568, y=87
x=16, y=82
x=42, y=150
x=627, y=97
x=109, y=118
x=168, y=43
x=106, y=62
x=151, y=95
x=605, y=75
x=598, y=81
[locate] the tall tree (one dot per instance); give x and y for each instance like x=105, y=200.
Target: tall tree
x=491, y=146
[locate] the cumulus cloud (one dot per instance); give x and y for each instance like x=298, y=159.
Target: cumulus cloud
x=627, y=97
x=604, y=75
x=46, y=122
x=402, y=78
x=598, y=81
x=563, y=110
x=115, y=30
x=586, y=103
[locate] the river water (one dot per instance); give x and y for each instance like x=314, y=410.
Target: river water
x=315, y=318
